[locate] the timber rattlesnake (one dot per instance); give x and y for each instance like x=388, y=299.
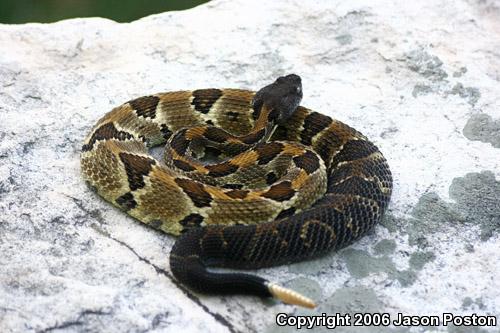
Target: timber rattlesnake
x=249, y=180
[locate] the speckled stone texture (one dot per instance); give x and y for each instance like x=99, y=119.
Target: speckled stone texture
x=420, y=78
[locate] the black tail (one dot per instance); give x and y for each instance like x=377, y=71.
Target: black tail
x=188, y=266
x=200, y=247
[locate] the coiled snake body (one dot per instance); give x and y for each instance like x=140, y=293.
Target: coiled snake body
x=249, y=180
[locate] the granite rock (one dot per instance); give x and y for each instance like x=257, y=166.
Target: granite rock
x=418, y=78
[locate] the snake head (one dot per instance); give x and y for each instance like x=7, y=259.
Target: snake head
x=283, y=95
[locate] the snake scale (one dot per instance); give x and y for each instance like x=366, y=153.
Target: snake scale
x=249, y=180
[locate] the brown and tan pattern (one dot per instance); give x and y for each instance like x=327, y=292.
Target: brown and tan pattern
x=249, y=179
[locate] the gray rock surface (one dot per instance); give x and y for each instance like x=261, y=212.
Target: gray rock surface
x=421, y=79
